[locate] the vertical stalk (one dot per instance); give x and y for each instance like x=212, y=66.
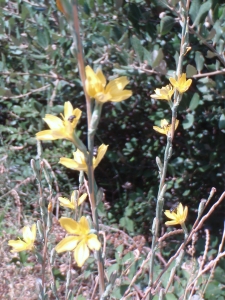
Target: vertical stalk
x=184, y=6
x=78, y=51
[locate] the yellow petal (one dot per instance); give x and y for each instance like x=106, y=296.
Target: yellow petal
x=71, y=164
x=18, y=245
x=84, y=226
x=70, y=225
x=171, y=223
x=45, y=135
x=28, y=235
x=93, y=242
x=117, y=85
x=68, y=109
x=170, y=215
x=53, y=122
x=173, y=81
x=69, y=243
x=101, y=152
x=34, y=231
x=160, y=130
x=101, y=77
x=122, y=95
x=81, y=253
x=66, y=202
x=79, y=157
x=82, y=198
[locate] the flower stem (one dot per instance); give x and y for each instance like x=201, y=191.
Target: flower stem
x=168, y=151
x=78, y=53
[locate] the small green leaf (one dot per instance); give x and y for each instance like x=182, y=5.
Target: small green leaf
x=188, y=122
x=166, y=24
x=202, y=12
x=190, y=71
x=138, y=48
x=157, y=57
x=199, y=60
x=43, y=37
x=194, y=101
x=127, y=223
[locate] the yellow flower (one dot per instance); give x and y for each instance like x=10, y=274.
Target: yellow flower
x=29, y=237
x=81, y=240
x=61, y=128
x=78, y=162
x=73, y=202
x=165, y=93
x=96, y=87
x=181, y=84
x=178, y=216
x=165, y=127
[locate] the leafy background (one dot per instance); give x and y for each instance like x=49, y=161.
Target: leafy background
x=139, y=39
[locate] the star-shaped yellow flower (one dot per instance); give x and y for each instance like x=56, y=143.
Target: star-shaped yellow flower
x=96, y=87
x=81, y=240
x=165, y=127
x=73, y=202
x=79, y=163
x=29, y=236
x=165, y=93
x=61, y=128
x=182, y=85
x=178, y=216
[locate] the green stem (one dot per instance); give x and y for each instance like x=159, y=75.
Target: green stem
x=168, y=150
x=78, y=53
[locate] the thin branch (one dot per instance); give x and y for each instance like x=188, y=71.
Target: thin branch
x=29, y=93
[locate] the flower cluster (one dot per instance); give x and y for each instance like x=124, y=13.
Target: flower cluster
x=181, y=85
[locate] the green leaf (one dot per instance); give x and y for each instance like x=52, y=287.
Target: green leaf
x=127, y=223
x=157, y=57
x=166, y=24
x=190, y=71
x=188, y=122
x=194, y=101
x=43, y=38
x=111, y=269
x=138, y=48
x=199, y=60
x=194, y=8
x=202, y=12
x=222, y=122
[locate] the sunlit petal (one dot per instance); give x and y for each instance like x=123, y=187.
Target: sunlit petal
x=81, y=253
x=82, y=198
x=45, y=135
x=18, y=245
x=101, y=152
x=66, y=202
x=84, y=225
x=71, y=164
x=70, y=225
x=93, y=242
x=69, y=243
